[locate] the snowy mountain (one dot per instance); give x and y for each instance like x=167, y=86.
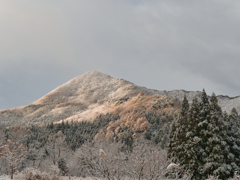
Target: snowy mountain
x=86, y=96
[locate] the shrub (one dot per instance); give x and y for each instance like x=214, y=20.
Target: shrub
x=35, y=174
x=62, y=165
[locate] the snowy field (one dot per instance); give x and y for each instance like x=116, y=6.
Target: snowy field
x=5, y=177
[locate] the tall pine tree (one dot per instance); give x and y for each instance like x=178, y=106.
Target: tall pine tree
x=233, y=141
x=178, y=135
x=193, y=147
x=173, y=143
x=216, y=144
x=203, y=121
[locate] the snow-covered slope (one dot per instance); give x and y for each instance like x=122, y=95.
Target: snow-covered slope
x=87, y=95
x=92, y=86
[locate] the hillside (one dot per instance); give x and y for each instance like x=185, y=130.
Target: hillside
x=89, y=95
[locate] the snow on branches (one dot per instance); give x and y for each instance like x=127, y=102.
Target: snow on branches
x=14, y=153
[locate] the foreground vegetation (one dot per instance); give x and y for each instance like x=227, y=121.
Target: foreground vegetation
x=101, y=159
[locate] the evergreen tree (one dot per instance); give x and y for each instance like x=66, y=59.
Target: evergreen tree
x=233, y=141
x=193, y=149
x=178, y=135
x=67, y=125
x=173, y=143
x=204, y=118
x=216, y=145
x=204, y=113
x=199, y=139
x=51, y=125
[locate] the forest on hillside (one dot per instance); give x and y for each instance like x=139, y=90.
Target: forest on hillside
x=137, y=142
x=53, y=147
x=144, y=123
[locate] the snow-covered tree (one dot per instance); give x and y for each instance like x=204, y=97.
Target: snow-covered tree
x=2, y=134
x=62, y=165
x=233, y=141
x=204, y=141
x=203, y=121
x=55, y=146
x=193, y=148
x=178, y=133
x=14, y=153
x=216, y=144
x=35, y=153
x=173, y=142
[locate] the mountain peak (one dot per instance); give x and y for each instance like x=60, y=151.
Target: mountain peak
x=92, y=90
x=92, y=85
x=93, y=73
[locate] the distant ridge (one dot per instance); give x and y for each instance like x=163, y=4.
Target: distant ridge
x=77, y=98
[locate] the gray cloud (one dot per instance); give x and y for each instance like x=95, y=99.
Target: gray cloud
x=167, y=44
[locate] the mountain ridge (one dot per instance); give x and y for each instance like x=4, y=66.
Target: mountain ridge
x=87, y=95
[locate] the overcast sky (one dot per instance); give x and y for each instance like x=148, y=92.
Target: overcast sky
x=159, y=44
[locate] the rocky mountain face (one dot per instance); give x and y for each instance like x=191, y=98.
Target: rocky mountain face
x=89, y=95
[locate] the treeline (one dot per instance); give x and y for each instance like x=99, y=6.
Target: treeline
x=205, y=140
x=76, y=133
x=144, y=116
